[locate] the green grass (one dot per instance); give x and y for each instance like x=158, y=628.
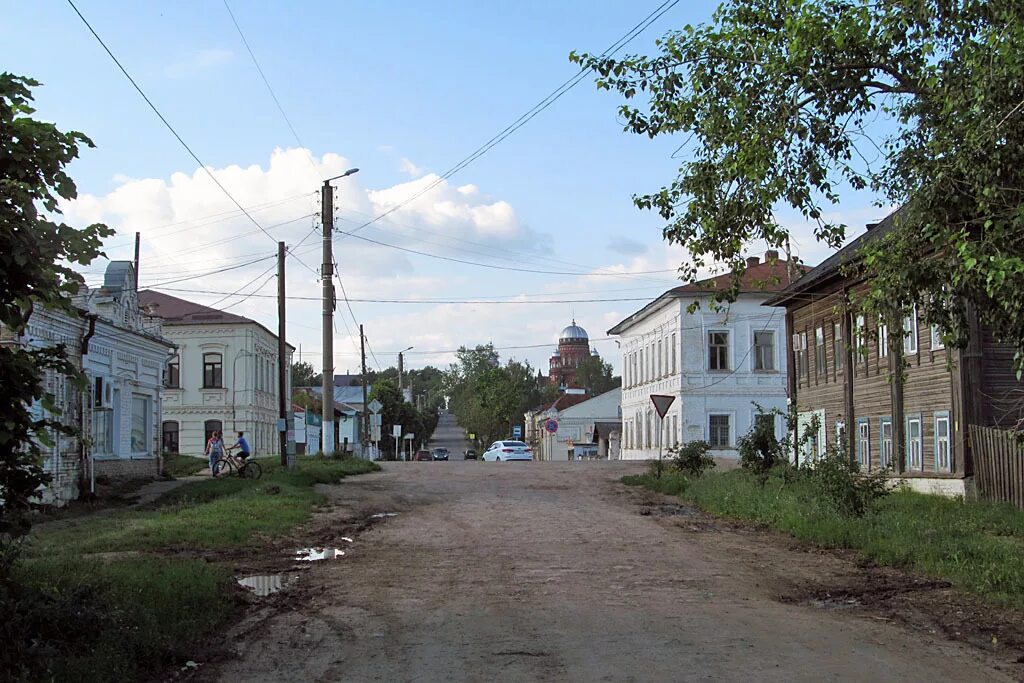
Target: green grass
x=976, y=546
x=177, y=465
x=124, y=617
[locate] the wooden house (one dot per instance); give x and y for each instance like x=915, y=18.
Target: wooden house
x=841, y=372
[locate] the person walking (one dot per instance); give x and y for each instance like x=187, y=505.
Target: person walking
x=214, y=451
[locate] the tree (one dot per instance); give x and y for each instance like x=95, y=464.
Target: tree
x=595, y=375
x=36, y=271
x=303, y=375
x=785, y=103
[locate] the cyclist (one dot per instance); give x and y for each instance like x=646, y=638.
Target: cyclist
x=243, y=447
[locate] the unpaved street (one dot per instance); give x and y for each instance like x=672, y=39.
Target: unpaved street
x=557, y=572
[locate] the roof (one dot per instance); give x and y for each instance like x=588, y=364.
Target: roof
x=348, y=380
x=175, y=311
x=606, y=405
x=573, y=333
x=830, y=266
x=764, y=277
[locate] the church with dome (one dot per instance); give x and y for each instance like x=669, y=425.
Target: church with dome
x=573, y=347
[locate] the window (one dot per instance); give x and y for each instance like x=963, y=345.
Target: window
x=169, y=440
x=642, y=377
x=764, y=350
x=859, y=347
x=943, y=458
x=910, y=332
x=864, y=444
x=838, y=351
x=765, y=422
x=140, y=423
x=173, y=373
x=103, y=431
x=673, y=353
x=718, y=350
x=211, y=426
x=883, y=340
x=915, y=447
x=885, y=440
x=820, y=365
x=650, y=361
x=937, y=342
x=718, y=431
x=659, y=370
x=213, y=371
x=800, y=352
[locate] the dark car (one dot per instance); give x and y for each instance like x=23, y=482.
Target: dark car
x=470, y=454
x=423, y=455
x=440, y=453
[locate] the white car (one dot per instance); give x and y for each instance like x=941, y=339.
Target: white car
x=508, y=450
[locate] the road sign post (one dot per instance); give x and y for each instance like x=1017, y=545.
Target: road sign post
x=661, y=405
x=517, y=432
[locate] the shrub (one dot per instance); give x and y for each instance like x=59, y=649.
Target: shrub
x=692, y=458
x=841, y=487
x=655, y=468
x=759, y=450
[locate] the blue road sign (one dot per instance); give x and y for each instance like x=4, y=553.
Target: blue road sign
x=517, y=432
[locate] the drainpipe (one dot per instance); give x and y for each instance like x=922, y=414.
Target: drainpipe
x=85, y=453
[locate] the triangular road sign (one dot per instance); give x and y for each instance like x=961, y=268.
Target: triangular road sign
x=662, y=403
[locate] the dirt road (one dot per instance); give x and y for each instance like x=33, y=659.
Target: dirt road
x=556, y=572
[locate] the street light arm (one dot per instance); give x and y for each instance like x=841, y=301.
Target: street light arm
x=343, y=175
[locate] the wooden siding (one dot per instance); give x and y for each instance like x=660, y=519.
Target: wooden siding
x=999, y=465
x=1002, y=392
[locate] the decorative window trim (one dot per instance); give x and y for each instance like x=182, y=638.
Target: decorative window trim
x=943, y=415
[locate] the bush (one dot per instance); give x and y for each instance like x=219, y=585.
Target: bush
x=692, y=458
x=839, y=485
x=759, y=450
x=655, y=468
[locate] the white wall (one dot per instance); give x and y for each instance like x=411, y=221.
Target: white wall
x=699, y=390
x=247, y=399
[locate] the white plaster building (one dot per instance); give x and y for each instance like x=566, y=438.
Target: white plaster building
x=224, y=376
x=590, y=427
x=717, y=364
x=123, y=356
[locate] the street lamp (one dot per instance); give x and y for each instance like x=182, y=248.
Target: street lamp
x=401, y=367
x=327, y=280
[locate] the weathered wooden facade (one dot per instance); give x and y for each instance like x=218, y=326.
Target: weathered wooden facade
x=843, y=372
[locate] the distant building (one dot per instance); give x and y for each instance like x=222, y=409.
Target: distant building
x=586, y=427
x=223, y=378
x=573, y=347
x=720, y=365
x=123, y=355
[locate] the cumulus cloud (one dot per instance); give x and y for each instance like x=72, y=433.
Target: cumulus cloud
x=199, y=62
x=406, y=166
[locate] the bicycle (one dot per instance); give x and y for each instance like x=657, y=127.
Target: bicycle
x=229, y=464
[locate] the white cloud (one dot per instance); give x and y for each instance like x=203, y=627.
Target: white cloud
x=406, y=166
x=201, y=61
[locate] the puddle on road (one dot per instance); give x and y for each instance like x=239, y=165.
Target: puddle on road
x=382, y=515
x=318, y=554
x=263, y=585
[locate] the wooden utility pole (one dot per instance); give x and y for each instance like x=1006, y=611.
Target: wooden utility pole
x=364, y=431
x=327, y=277
x=283, y=400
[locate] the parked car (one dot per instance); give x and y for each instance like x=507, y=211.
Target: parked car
x=469, y=454
x=500, y=451
x=439, y=454
x=423, y=455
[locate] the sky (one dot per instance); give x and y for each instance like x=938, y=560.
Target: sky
x=403, y=91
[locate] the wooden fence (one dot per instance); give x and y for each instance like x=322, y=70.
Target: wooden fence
x=998, y=465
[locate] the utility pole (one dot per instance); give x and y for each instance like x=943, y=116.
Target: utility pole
x=138, y=240
x=364, y=432
x=283, y=400
x=327, y=276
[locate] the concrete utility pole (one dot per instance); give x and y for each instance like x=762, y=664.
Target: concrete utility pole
x=138, y=240
x=283, y=400
x=364, y=432
x=327, y=278
x=401, y=370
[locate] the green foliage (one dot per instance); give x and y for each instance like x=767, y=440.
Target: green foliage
x=595, y=375
x=784, y=105
x=670, y=484
x=303, y=375
x=398, y=411
x=692, y=458
x=177, y=465
x=35, y=268
x=840, y=485
x=974, y=545
x=759, y=449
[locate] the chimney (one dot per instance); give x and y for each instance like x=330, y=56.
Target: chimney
x=771, y=255
x=871, y=226
x=752, y=261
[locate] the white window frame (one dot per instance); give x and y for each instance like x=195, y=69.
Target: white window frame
x=820, y=364
x=915, y=445
x=673, y=353
x=864, y=443
x=937, y=343
x=758, y=360
x=859, y=347
x=943, y=462
x=729, y=428
x=837, y=346
x=910, y=341
x=885, y=445
x=883, y=340
x=728, y=354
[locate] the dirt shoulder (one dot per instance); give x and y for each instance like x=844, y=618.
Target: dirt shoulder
x=555, y=571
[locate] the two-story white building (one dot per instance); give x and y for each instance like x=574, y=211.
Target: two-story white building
x=719, y=362
x=223, y=378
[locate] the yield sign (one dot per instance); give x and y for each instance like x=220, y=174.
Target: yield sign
x=662, y=403
x=375, y=406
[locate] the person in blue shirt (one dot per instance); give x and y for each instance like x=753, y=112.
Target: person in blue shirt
x=243, y=446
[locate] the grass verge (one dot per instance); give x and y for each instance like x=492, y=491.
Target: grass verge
x=976, y=546
x=78, y=615
x=178, y=465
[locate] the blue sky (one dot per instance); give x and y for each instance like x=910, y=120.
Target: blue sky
x=401, y=90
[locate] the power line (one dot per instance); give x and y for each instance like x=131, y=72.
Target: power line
x=156, y=285
x=532, y=112
x=228, y=296
x=167, y=123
